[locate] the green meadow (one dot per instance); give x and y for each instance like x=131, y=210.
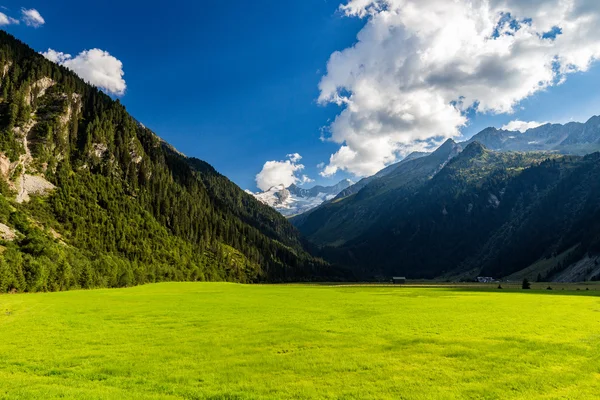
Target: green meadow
x=228, y=341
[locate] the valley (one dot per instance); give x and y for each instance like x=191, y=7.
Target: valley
x=348, y=199
x=92, y=198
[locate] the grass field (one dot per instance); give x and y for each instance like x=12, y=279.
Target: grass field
x=226, y=341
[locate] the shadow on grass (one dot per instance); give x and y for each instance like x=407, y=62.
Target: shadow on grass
x=557, y=288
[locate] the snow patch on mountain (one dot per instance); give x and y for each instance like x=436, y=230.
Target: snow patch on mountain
x=294, y=200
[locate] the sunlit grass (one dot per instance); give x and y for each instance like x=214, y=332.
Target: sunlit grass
x=224, y=341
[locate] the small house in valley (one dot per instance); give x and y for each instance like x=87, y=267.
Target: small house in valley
x=398, y=280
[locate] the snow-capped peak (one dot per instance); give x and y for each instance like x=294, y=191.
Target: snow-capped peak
x=293, y=200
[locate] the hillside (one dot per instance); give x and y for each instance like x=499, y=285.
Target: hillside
x=572, y=138
x=346, y=218
x=355, y=188
x=483, y=212
x=92, y=198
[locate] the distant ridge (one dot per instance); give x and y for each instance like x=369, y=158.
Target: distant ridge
x=571, y=138
x=294, y=200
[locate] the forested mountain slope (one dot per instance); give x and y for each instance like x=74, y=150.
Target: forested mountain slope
x=573, y=138
x=346, y=218
x=357, y=187
x=486, y=213
x=92, y=198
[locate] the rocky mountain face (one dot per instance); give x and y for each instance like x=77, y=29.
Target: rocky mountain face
x=294, y=200
x=89, y=197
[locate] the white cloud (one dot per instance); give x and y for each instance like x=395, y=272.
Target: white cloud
x=294, y=157
x=95, y=66
x=281, y=172
x=521, y=126
x=6, y=20
x=56, y=56
x=419, y=65
x=305, y=179
x=32, y=17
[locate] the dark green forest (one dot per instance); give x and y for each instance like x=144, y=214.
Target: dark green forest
x=484, y=212
x=127, y=209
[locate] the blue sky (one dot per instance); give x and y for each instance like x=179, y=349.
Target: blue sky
x=236, y=83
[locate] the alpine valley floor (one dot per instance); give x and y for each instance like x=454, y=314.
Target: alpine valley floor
x=228, y=341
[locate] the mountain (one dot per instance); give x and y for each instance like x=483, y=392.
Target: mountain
x=294, y=200
x=355, y=188
x=92, y=198
x=362, y=205
x=483, y=213
x=344, y=219
x=89, y=197
x=572, y=138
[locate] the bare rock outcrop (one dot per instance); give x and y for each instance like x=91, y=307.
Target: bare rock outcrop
x=5, y=166
x=32, y=184
x=6, y=68
x=6, y=233
x=38, y=89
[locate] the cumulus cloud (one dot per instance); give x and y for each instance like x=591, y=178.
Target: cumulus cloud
x=32, y=17
x=521, y=126
x=95, y=66
x=419, y=66
x=56, y=56
x=6, y=20
x=305, y=179
x=284, y=172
